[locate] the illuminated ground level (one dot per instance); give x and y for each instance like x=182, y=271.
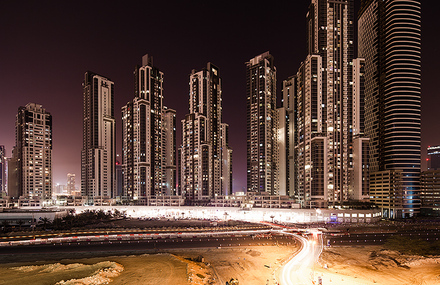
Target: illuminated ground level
x=253, y=215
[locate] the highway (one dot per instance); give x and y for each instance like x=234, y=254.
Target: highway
x=380, y=238
x=89, y=248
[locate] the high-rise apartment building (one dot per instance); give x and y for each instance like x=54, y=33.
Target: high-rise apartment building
x=32, y=154
x=149, y=138
x=98, y=154
x=2, y=169
x=389, y=39
x=285, y=159
x=261, y=119
x=206, y=158
x=324, y=97
x=360, y=179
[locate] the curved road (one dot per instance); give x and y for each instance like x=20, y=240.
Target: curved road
x=300, y=269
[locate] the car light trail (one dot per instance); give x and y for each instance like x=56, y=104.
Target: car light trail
x=299, y=269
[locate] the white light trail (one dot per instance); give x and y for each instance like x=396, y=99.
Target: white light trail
x=299, y=269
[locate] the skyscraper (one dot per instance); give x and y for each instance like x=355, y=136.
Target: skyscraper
x=33, y=152
x=2, y=169
x=360, y=180
x=285, y=164
x=149, y=131
x=206, y=158
x=98, y=154
x=324, y=106
x=261, y=128
x=389, y=39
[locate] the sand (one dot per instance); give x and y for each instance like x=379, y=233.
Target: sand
x=375, y=265
x=250, y=265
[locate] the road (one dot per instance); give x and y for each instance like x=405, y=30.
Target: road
x=380, y=237
x=56, y=251
x=299, y=269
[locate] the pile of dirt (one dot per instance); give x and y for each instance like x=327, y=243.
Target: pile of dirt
x=253, y=253
x=384, y=259
x=98, y=273
x=102, y=276
x=198, y=271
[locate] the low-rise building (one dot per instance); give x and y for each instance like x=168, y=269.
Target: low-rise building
x=430, y=192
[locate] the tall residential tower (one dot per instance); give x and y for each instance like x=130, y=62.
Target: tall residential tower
x=33, y=152
x=206, y=158
x=149, y=138
x=389, y=39
x=324, y=106
x=285, y=156
x=261, y=124
x=99, y=148
x=2, y=169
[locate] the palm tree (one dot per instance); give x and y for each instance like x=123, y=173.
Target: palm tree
x=45, y=222
x=20, y=223
x=226, y=215
x=5, y=224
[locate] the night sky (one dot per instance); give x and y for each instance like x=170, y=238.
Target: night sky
x=46, y=47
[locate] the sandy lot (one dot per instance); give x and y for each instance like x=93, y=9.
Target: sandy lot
x=375, y=265
x=251, y=265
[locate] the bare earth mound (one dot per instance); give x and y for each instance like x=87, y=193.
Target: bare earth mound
x=62, y=274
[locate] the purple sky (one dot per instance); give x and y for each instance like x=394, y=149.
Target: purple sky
x=46, y=46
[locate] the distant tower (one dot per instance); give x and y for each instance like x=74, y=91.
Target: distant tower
x=99, y=149
x=13, y=184
x=206, y=158
x=70, y=183
x=261, y=117
x=389, y=39
x=119, y=179
x=2, y=169
x=149, y=144
x=33, y=152
x=430, y=184
x=434, y=157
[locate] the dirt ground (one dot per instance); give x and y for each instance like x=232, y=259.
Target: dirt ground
x=250, y=265
x=375, y=265
x=143, y=269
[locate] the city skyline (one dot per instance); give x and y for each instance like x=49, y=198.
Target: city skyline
x=37, y=72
